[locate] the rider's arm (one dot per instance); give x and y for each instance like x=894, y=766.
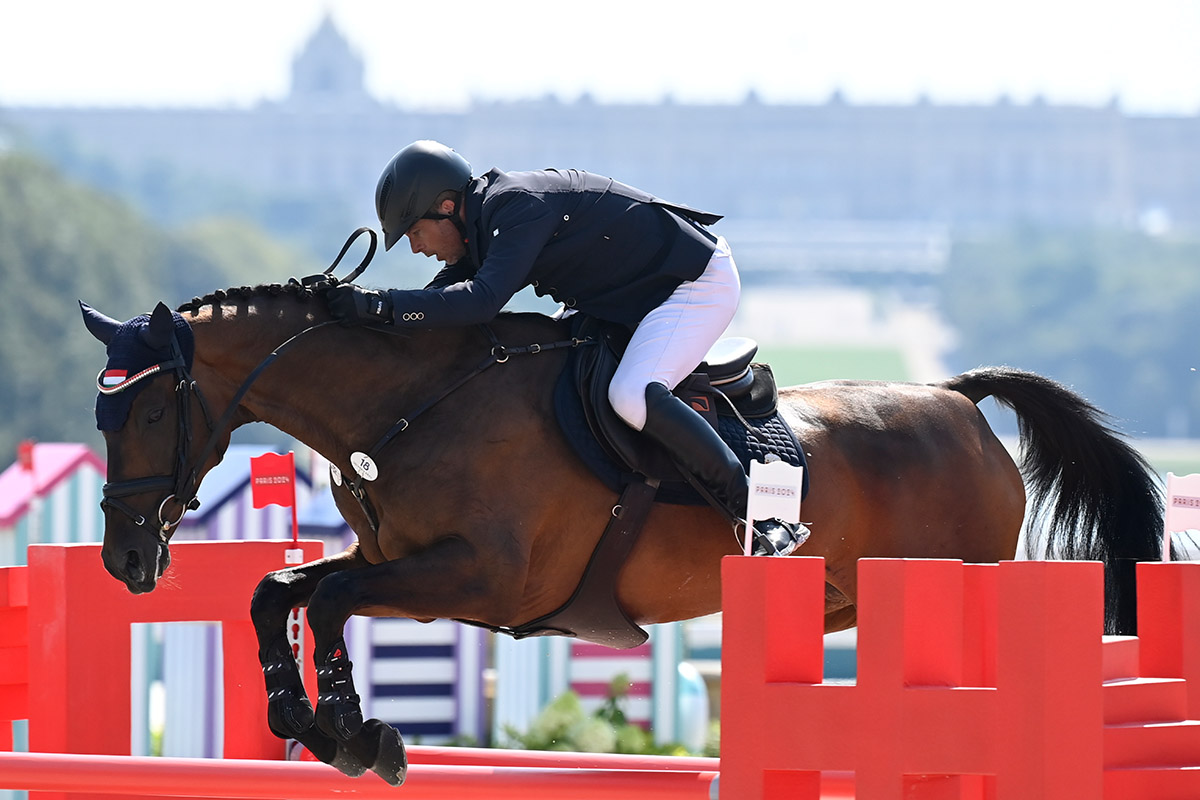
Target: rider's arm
x=516, y=231
x=452, y=273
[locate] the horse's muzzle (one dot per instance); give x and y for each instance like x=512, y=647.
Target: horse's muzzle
x=139, y=570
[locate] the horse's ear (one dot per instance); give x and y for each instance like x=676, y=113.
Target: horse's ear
x=98, y=324
x=157, y=335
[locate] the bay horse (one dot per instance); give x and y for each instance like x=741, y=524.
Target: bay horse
x=484, y=514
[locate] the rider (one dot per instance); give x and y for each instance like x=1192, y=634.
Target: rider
x=593, y=244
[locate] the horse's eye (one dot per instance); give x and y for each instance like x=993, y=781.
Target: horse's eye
x=155, y=414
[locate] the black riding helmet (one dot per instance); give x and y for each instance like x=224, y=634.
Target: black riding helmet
x=410, y=185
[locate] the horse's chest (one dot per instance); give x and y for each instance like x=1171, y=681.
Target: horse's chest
x=368, y=546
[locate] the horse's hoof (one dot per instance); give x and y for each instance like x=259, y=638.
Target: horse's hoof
x=330, y=752
x=347, y=764
x=391, y=762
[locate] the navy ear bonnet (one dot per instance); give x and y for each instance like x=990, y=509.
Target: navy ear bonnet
x=138, y=349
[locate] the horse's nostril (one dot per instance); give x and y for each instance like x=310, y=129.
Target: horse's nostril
x=133, y=567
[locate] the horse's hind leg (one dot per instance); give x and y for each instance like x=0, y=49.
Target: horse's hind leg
x=289, y=713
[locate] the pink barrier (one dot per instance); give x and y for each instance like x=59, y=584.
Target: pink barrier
x=291, y=780
x=974, y=681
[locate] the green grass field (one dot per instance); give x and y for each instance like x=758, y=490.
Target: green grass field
x=793, y=365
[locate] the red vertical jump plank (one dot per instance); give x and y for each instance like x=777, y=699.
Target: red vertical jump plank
x=979, y=624
x=882, y=639
x=1051, y=721
x=772, y=646
x=1169, y=624
x=246, y=696
x=79, y=694
x=910, y=663
x=979, y=653
x=14, y=650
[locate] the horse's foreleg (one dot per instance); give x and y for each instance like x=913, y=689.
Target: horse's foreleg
x=446, y=580
x=289, y=713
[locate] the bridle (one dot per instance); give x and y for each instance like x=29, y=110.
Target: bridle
x=183, y=483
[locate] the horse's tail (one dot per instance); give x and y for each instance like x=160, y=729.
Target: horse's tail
x=1096, y=496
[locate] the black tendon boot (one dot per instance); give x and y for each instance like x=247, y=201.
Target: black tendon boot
x=697, y=449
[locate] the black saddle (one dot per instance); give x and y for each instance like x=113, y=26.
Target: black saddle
x=735, y=395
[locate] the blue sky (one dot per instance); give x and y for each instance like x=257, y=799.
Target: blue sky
x=439, y=54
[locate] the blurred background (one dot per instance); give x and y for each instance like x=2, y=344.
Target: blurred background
x=910, y=190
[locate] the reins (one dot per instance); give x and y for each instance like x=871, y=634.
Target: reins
x=363, y=463
x=184, y=482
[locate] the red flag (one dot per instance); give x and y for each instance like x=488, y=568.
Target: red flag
x=273, y=479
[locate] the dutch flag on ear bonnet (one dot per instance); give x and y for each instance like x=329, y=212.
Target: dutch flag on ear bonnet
x=137, y=350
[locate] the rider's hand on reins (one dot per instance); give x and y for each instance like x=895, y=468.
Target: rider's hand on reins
x=353, y=305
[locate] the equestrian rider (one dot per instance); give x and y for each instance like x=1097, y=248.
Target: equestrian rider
x=592, y=244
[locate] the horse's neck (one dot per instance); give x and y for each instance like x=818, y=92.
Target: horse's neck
x=331, y=380
x=232, y=343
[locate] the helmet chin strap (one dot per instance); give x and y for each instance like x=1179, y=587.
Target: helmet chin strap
x=454, y=217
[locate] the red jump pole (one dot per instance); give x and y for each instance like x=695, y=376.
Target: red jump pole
x=133, y=776
x=489, y=757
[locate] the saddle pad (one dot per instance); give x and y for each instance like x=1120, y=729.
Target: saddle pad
x=746, y=446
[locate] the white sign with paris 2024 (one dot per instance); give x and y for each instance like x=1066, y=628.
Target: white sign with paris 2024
x=774, y=493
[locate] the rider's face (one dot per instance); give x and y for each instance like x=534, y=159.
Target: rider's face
x=438, y=238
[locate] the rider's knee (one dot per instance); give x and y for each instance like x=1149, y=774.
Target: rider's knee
x=628, y=399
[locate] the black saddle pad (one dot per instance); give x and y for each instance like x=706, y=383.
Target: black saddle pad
x=582, y=407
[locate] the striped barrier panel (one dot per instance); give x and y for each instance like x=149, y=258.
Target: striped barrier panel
x=425, y=679
x=56, y=501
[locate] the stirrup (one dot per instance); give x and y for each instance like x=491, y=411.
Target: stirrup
x=775, y=538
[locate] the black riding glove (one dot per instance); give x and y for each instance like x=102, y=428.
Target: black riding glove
x=354, y=305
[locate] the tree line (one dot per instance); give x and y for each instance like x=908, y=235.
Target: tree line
x=1110, y=313
x=61, y=242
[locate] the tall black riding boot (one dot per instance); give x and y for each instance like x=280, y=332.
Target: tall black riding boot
x=697, y=449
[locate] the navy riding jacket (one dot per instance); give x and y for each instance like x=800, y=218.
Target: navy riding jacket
x=595, y=244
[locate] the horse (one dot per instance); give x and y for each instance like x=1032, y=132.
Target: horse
x=479, y=511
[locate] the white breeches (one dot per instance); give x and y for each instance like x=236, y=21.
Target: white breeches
x=671, y=341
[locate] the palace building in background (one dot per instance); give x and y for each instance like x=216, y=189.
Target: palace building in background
x=809, y=190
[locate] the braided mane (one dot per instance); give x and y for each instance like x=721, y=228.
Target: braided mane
x=292, y=287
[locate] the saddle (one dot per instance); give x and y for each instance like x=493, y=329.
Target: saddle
x=737, y=397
